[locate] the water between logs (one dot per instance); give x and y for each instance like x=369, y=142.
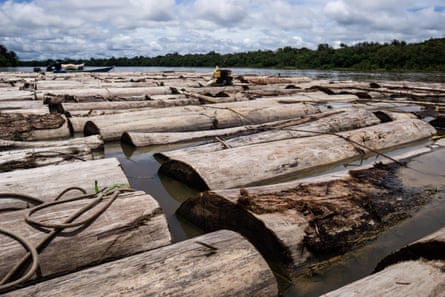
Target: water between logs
x=141, y=169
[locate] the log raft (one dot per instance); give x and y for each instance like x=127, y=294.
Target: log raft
x=295, y=223
x=133, y=223
x=216, y=264
x=260, y=163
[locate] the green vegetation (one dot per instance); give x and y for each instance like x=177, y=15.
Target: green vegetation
x=397, y=55
x=7, y=58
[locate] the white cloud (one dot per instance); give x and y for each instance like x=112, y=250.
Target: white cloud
x=41, y=29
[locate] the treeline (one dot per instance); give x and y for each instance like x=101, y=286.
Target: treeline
x=8, y=58
x=397, y=55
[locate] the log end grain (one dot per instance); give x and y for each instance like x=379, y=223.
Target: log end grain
x=91, y=128
x=184, y=173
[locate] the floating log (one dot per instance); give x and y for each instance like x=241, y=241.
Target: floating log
x=263, y=162
x=133, y=223
x=209, y=118
x=415, y=270
x=47, y=182
x=296, y=222
x=140, y=139
x=94, y=142
x=37, y=157
x=323, y=123
x=216, y=264
x=21, y=126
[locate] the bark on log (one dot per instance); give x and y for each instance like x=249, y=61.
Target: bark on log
x=216, y=264
x=38, y=157
x=133, y=223
x=260, y=163
x=407, y=279
x=209, y=118
x=345, y=120
x=19, y=126
x=94, y=142
x=47, y=182
x=140, y=139
x=292, y=222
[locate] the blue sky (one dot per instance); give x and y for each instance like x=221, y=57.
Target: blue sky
x=57, y=29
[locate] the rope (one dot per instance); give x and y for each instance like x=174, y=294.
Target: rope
x=70, y=222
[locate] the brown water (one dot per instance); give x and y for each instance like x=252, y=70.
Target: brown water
x=141, y=169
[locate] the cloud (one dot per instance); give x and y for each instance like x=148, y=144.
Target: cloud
x=42, y=29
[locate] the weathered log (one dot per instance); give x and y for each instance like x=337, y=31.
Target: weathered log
x=133, y=223
x=209, y=118
x=216, y=264
x=339, y=121
x=47, y=182
x=294, y=223
x=17, y=95
x=407, y=279
x=20, y=126
x=139, y=139
x=94, y=142
x=414, y=270
x=260, y=163
x=37, y=157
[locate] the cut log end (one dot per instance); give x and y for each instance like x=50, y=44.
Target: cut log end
x=184, y=173
x=126, y=138
x=91, y=129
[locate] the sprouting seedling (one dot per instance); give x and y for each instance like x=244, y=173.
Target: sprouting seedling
x=96, y=186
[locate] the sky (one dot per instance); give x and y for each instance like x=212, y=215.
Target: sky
x=83, y=29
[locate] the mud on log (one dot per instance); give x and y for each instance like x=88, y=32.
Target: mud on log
x=294, y=223
x=260, y=163
x=19, y=126
x=133, y=223
x=216, y=264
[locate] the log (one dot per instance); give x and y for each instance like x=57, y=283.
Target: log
x=407, y=279
x=93, y=142
x=339, y=121
x=47, y=182
x=38, y=157
x=209, y=118
x=217, y=264
x=298, y=222
x=20, y=126
x=260, y=163
x=140, y=139
x=133, y=223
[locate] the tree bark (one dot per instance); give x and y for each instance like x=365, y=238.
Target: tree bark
x=94, y=142
x=216, y=264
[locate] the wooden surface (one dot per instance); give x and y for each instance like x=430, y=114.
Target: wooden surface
x=216, y=264
x=258, y=163
x=47, y=182
x=133, y=223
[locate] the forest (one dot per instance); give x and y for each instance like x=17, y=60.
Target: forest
x=398, y=55
x=8, y=58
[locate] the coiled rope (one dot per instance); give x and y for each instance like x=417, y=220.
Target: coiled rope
x=16, y=275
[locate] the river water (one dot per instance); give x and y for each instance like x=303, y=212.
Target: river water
x=141, y=169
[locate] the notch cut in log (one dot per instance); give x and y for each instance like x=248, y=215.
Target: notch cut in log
x=217, y=264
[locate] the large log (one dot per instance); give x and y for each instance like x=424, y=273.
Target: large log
x=295, y=223
x=47, y=182
x=139, y=139
x=334, y=122
x=209, y=118
x=94, y=142
x=216, y=264
x=415, y=270
x=20, y=126
x=37, y=157
x=133, y=223
x=263, y=162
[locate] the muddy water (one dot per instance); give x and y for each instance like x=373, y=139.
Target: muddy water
x=141, y=169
